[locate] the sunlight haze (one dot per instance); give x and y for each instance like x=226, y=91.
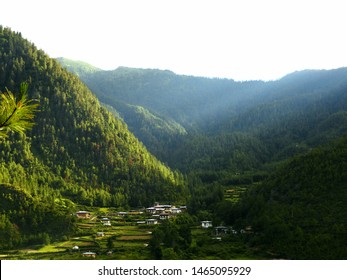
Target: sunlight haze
x=242, y=40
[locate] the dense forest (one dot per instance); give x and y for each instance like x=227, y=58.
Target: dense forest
x=195, y=123
x=268, y=157
x=300, y=210
x=76, y=150
x=243, y=134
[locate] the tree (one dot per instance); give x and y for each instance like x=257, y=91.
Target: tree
x=110, y=244
x=16, y=113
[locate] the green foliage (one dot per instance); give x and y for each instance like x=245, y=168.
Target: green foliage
x=26, y=219
x=78, y=67
x=226, y=135
x=9, y=234
x=172, y=238
x=229, y=126
x=236, y=134
x=299, y=212
x=16, y=113
x=77, y=148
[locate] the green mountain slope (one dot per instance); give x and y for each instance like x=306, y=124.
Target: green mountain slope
x=27, y=219
x=190, y=101
x=154, y=131
x=76, y=147
x=300, y=211
x=80, y=68
x=276, y=119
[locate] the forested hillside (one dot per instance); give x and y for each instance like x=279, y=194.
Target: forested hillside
x=77, y=149
x=300, y=211
x=225, y=125
x=283, y=141
x=27, y=218
x=177, y=107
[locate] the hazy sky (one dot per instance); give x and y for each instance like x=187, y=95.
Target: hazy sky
x=239, y=39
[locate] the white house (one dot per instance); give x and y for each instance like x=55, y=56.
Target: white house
x=122, y=214
x=151, y=221
x=176, y=210
x=164, y=216
x=183, y=208
x=89, y=254
x=151, y=210
x=206, y=224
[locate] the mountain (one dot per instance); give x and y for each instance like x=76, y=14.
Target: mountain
x=228, y=126
x=283, y=141
x=154, y=130
x=187, y=100
x=78, y=67
x=185, y=106
x=77, y=149
x=299, y=211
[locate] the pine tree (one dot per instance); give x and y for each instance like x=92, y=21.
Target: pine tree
x=16, y=113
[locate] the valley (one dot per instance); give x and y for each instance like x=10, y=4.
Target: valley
x=264, y=158
x=106, y=233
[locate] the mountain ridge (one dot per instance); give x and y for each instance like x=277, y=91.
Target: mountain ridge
x=212, y=108
x=95, y=152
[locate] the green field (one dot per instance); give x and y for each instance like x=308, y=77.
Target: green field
x=124, y=239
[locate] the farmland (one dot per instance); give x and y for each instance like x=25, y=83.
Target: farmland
x=126, y=236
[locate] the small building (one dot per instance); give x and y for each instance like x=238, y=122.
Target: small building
x=164, y=216
x=183, y=208
x=206, y=224
x=218, y=238
x=221, y=230
x=166, y=207
x=122, y=214
x=151, y=210
x=135, y=212
x=75, y=248
x=162, y=208
x=83, y=214
x=176, y=210
x=159, y=210
x=105, y=221
x=151, y=221
x=89, y=254
x=247, y=230
x=100, y=234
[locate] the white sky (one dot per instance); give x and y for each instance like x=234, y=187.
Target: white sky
x=238, y=39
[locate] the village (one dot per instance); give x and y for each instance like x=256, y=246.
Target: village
x=113, y=233
x=122, y=229
x=116, y=232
